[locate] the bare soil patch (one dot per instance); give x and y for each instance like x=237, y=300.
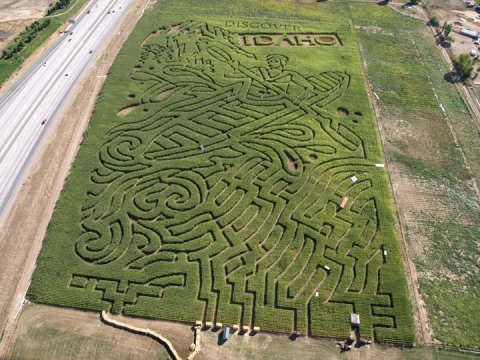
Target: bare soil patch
x=175, y=29
x=13, y=15
x=22, y=9
x=343, y=112
x=164, y=94
x=292, y=163
x=126, y=111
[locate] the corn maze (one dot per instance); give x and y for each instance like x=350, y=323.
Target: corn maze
x=231, y=186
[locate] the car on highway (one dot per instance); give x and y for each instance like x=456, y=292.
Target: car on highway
x=44, y=121
x=91, y=51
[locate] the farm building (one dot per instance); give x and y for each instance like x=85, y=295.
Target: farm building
x=470, y=33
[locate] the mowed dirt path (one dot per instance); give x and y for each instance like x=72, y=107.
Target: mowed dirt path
x=24, y=227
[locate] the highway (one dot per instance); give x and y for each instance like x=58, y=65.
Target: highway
x=30, y=107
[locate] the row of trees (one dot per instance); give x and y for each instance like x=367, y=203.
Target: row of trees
x=24, y=38
x=463, y=62
x=60, y=4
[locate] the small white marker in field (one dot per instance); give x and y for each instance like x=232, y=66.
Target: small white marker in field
x=354, y=178
x=379, y=165
x=385, y=252
x=326, y=267
x=374, y=93
x=316, y=293
x=202, y=147
x=441, y=107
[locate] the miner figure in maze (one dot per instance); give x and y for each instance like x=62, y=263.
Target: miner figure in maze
x=163, y=209
x=272, y=82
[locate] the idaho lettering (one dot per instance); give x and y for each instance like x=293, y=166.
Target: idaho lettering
x=327, y=39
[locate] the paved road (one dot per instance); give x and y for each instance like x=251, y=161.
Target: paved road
x=30, y=106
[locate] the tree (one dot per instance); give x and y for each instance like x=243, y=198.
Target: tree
x=446, y=30
x=464, y=65
x=434, y=21
x=450, y=39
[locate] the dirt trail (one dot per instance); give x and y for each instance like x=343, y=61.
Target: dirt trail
x=25, y=225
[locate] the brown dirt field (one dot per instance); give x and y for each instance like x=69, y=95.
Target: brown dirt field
x=24, y=4
x=31, y=211
x=45, y=331
x=13, y=15
x=11, y=10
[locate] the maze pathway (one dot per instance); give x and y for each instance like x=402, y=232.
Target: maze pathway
x=228, y=192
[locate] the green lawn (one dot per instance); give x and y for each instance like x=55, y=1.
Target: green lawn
x=209, y=182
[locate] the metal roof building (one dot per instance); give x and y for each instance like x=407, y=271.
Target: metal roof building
x=469, y=33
